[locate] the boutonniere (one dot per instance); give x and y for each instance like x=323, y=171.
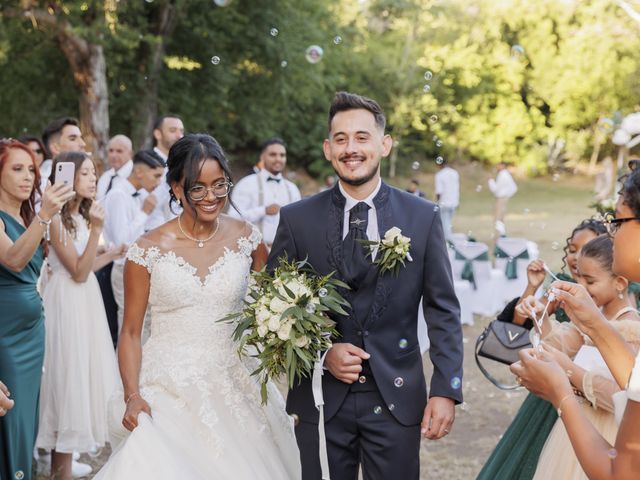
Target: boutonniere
x=392, y=250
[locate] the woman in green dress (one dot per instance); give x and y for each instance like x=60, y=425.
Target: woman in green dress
x=21, y=324
x=515, y=457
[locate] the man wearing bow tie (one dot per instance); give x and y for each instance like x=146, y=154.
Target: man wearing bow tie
x=259, y=197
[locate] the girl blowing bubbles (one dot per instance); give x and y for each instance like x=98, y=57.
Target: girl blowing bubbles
x=590, y=378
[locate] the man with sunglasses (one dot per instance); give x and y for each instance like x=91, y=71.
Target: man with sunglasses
x=259, y=197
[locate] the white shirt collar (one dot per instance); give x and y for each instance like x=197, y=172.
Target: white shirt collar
x=266, y=174
x=159, y=152
x=351, y=202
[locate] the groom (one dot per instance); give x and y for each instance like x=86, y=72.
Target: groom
x=376, y=406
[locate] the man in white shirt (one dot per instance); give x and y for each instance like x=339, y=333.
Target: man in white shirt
x=119, y=153
x=126, y=215
x=447, y=194
x=167, y=130
x=503, y=188
x=259, y=197
x=61, y=135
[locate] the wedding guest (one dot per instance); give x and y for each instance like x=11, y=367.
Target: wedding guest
x=329, y=183
x=414, y=188
x=167, y=130
x=35, y=144
x=6, y=403
x=447, y=194
x=516, y=454
x=80, y=369
x=590, y=378
x=503, y=188
x=259, y=197
x=119, y=154
x=61, y=135
x=542, y=375
x=126, y=215
x=22, y=325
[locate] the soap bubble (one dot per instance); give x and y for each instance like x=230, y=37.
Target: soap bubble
x=314, y=54
x=403, y=343
x=456, y=383
x=284, y=64
x=433, y=119
x=274, y=32
x=415, y=165
x=439, y=160
x=517, y=52
x=478, y=188
x=215, y=60
x=337, y=40
x=222, y=3
x=428, y=75
x=426, y=89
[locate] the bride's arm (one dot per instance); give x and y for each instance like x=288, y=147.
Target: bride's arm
x=136, y=296
x=259, y=256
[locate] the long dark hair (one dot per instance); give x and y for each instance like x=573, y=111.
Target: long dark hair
x=27, y=209
x=591, y=224
x=77, y=158
x=185, y=162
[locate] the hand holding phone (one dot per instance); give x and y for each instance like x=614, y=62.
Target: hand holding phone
x=65, y=172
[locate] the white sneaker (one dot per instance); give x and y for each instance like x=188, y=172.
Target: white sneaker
x=79, y=470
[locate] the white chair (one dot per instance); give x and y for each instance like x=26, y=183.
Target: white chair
x=512, y=257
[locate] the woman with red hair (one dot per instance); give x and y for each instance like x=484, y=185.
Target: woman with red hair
x=22, y=327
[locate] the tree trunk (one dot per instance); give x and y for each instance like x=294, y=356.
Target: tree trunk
x=150, y=65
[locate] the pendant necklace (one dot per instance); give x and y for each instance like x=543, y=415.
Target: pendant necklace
x=198, y=241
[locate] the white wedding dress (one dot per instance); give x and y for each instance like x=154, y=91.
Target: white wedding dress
x=207, y=421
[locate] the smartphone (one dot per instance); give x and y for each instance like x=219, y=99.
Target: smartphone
x=65, y=172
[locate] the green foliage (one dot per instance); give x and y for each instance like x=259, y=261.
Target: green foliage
x=510, y=79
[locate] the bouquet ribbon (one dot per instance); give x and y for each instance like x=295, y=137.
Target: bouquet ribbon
x=318, y=399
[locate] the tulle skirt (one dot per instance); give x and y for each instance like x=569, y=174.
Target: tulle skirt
x=80, y=369
x=558, y=459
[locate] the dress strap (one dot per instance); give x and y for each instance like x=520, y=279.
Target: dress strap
x=622, y=311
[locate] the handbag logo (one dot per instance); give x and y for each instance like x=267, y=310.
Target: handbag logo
x=512, y=337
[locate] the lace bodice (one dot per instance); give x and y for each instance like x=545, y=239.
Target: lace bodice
x=79, y=242
x=190, y=353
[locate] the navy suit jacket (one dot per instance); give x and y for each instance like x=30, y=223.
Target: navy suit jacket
x=387, y=330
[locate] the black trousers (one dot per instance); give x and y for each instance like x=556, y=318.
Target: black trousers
x=110, y=306
x=362, y=432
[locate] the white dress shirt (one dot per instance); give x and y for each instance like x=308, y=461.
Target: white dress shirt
x=162, y=213
x=118, y=176
x=124, y=217
x=45, y=172
x=448, y=187
x=504, y=186
x=255, y=192
x=372, y=221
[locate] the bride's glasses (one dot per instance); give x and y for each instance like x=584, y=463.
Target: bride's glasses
x=613, y=224
x=200, y=192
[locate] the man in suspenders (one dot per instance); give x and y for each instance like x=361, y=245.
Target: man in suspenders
x=259, y=196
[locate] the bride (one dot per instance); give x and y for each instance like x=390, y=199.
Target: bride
x=189, y=401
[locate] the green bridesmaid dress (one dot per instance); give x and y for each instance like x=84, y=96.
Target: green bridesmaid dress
x=516, y=454
x=21, y=357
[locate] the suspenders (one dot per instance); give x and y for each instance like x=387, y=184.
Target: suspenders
x=261, y=201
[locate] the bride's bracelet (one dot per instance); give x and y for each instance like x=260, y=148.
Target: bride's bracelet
x=131, y=396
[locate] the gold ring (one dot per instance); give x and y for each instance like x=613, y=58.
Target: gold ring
x=519, y=380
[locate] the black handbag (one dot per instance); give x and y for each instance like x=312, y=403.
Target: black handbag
x=501, y=341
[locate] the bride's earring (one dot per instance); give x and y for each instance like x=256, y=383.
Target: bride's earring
x=620, y=295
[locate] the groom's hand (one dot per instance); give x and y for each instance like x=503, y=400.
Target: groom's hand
x=344, y=361
x=437, y=420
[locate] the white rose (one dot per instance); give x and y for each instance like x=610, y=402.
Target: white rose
x=274, y=323
x=298, y=289
x=390, y=236
x=262, y=315
x=302, y=341
x=284, y=331
x=262, y=330
x=278, y=306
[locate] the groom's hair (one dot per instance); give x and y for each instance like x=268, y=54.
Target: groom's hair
x=344, y=101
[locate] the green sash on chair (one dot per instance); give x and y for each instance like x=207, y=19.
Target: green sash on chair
x=511, y=270
x=467, y=269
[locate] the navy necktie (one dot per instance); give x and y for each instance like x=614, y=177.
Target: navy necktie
x=113, y=177
x=355, y=264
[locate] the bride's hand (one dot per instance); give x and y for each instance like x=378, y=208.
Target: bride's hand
x=135, y=405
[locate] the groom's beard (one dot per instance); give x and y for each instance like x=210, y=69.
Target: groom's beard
x=357, y=181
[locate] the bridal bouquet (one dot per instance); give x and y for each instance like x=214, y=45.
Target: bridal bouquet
x=285, y=321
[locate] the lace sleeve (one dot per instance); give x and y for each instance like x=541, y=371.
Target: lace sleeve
x=144, y=257
x=599, y=390
x=250, y=240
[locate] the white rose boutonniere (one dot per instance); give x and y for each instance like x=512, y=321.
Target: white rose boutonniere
x=392, y=250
